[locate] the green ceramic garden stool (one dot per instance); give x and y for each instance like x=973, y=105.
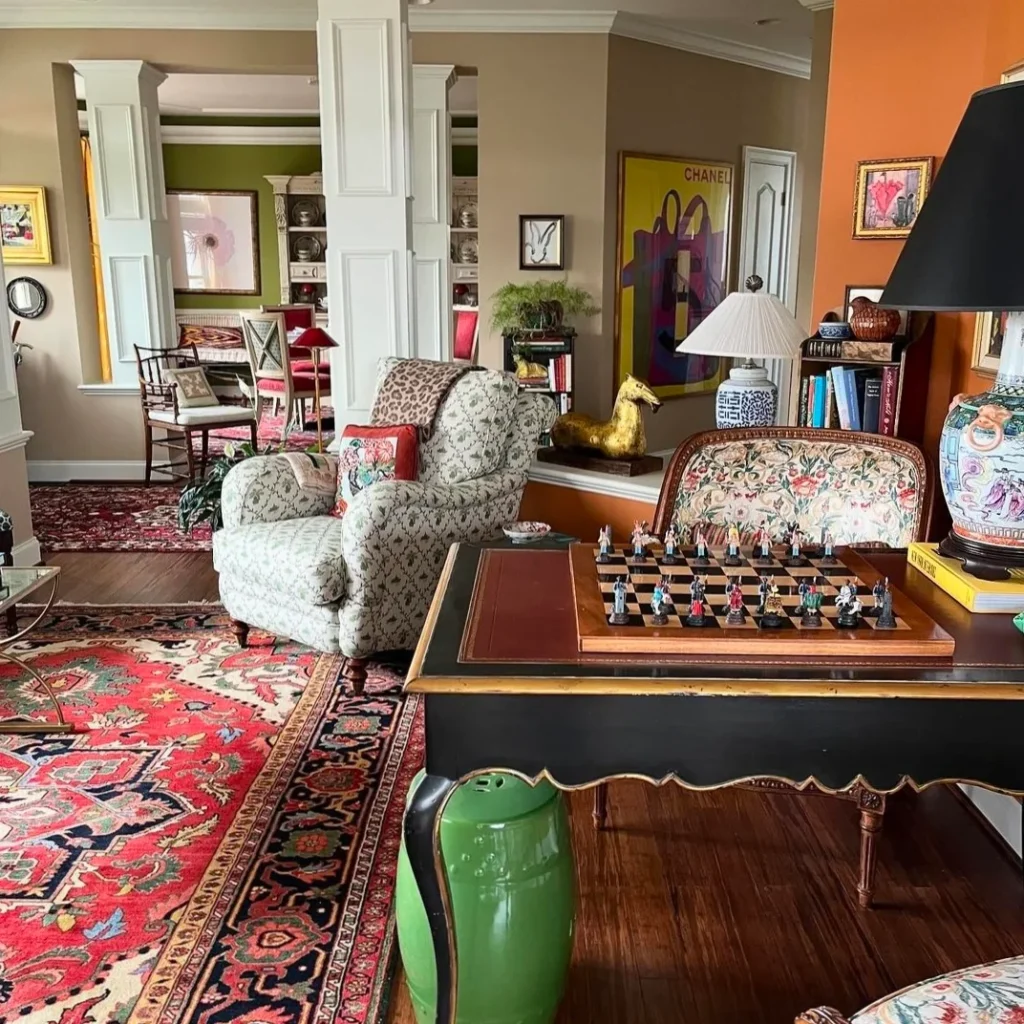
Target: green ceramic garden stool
x=510, y=869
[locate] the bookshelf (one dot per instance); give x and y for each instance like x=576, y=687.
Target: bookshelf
x=554, y=351
x=900, y=368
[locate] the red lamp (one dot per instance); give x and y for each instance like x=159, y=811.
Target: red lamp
x=315, y=339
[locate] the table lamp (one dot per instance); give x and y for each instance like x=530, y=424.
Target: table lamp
x=964, y=254
x=313, y=340
x=747, y=325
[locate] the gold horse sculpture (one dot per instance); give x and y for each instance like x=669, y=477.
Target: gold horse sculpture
x=621, y=437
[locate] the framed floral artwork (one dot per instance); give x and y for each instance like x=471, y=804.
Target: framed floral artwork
x=988, y=342
x=889, y=195
x=215, y=242
x=24, y=230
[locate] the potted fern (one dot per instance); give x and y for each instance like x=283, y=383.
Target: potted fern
x=519, y=308
x=200, y=502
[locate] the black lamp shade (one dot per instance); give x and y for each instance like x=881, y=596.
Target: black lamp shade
x=965, y=252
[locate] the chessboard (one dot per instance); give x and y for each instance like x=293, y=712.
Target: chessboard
x=915, y=634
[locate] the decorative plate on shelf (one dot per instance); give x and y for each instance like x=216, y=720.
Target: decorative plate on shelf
x=519, y=532
x=307, y=249
x=305, y=214
x=468, y=251
x=468, y=215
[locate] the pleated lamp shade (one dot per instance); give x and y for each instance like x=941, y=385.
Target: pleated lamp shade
x=747, y=325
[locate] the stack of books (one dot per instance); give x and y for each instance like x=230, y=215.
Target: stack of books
x=975, y=595
x=848, y=398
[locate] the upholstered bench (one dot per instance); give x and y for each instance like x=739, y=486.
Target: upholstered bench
x=991, y=993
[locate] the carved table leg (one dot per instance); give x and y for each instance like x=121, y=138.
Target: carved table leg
x=872, y=810
x=241, y=631
x=354, y=672
x=600, y=812
x=423, y=844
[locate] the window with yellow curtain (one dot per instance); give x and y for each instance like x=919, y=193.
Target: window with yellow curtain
x=97, y=270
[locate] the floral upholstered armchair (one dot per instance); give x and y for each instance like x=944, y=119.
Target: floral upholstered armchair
x=363, y=583
x=866, y=489
x=991, y=993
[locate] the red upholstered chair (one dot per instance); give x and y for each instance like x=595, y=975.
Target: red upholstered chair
x=274, y=376
x=467, y=334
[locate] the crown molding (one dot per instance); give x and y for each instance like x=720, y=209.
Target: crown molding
x=229, y=135
x=633, y=27
x=300, y=15
x=818, y=5
x=572, y=22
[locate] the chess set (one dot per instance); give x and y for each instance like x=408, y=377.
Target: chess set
x=654, y=597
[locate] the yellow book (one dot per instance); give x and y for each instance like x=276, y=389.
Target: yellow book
x=974, y=594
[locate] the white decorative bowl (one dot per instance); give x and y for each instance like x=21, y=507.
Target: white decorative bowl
x=518, y=532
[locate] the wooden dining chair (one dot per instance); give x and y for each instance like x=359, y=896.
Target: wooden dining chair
x=298, y=316
x=274, y=373
x=868, y=489
x=161, y=410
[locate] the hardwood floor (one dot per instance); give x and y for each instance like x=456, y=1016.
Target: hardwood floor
x=739, y=907
x=135, y=578
x=722, y=908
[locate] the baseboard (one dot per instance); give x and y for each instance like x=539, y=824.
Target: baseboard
x=45, y=472
x=27, y=553
x=998, y=815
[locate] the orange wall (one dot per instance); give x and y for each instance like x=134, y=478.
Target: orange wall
x=581, y=513
x=902, y=72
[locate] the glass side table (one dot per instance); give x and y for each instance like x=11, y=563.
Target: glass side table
x=16, y=586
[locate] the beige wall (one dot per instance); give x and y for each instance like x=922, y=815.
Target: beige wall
x=668, y=102
x=554, y=112
x=38, y=136
x=14, y=492
x=542, y=102
x=813, y=151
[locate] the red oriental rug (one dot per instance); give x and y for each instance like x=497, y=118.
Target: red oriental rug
x=218, y=840
x=130, y=516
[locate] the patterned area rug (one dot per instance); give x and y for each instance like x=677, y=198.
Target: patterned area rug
x=132, y=517
x=111, y=517
x=218, y=840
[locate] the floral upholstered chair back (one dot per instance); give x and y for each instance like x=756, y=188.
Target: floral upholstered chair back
x=864, y=488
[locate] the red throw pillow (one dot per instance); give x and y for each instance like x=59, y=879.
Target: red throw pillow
x=367, y=455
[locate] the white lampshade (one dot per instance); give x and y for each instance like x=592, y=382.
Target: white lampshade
x=747, y=325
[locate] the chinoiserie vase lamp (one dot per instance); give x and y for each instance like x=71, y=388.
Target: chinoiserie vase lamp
x=964, y=254
x=747, y=325
x=315, y=340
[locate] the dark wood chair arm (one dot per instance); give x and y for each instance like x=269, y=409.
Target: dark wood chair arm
x=159, y=396
x=821, y=1015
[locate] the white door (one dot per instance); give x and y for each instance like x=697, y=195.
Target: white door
x=767, y=241
x=432, y=210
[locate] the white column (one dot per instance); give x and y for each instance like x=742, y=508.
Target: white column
x=131, y=200
x=432, y=209
x=365, y=127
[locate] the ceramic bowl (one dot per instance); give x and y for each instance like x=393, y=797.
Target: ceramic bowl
x=835, y=330
x=519, y=532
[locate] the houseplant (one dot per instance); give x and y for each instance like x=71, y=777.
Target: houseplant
x=517, y=308
x=200, y=502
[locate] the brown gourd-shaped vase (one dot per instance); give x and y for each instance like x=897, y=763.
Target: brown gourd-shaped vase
x=870, y=322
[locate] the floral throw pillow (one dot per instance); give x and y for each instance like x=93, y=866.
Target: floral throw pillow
x=194, y=389
x=367, y=455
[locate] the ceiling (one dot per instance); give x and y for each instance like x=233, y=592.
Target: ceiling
x=261, y=95
x=734, y=21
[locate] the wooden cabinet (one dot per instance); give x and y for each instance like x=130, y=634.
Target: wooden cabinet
x=300, y=215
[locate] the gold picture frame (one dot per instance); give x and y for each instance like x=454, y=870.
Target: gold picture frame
x=889, y=194
x=24, y=229
x=988, y=343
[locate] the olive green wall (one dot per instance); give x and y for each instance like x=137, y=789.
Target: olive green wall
x=240, y=167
